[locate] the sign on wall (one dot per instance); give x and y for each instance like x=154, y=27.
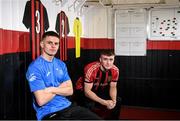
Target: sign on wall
x=165, y=24
x=130, y=32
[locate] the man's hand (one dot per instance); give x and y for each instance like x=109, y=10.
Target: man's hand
x=110, y=104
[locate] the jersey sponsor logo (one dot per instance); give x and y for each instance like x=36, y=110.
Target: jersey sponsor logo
x=60, y=71
x=100, y=84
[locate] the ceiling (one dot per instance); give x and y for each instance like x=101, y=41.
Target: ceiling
x=119, y=2
x=80, y=5
x=131, y=2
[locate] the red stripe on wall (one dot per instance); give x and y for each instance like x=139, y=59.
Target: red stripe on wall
x=92, y=43
x=1, y=44
x=14, y=41
x=71, y=42
x=163, y=45
x=18, y=41
x=97, y=43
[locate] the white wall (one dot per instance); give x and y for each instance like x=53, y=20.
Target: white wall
x=12, y=14
x=0, y=14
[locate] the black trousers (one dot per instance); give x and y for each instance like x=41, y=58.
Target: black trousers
x=82, y=100
x=114, y=113
x=73, y=112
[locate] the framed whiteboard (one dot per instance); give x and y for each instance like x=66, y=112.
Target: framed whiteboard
x=130, y=32
x=164, y=24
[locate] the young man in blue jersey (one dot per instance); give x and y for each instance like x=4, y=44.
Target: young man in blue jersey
x=50, y=83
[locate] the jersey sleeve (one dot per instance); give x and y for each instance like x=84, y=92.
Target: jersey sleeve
x=67, y=24
x=66, y=74
x=115, y=74
x=88, y=74
x=34, y=78
x=57, y=24
x=27, y=15
x=46, y=20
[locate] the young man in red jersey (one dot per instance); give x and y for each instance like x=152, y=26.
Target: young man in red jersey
x=99, y=85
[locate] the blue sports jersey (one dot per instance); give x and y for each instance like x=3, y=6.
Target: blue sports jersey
x=41, y=74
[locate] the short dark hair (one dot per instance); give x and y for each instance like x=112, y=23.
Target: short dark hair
x=50, y=33
x=107, y=52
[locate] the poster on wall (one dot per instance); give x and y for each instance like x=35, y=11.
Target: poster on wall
x=164, y=24
x=130, y=32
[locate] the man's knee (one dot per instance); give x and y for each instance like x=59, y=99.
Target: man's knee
x=119, y=101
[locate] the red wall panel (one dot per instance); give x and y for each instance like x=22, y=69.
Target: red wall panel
x=17, y=41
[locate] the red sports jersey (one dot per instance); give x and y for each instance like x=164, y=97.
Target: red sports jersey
x=35, y=18
x=99, y=78
x=62, y=27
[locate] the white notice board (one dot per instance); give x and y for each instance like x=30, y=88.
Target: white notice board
x=130, y=32
x=164, y=24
